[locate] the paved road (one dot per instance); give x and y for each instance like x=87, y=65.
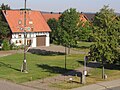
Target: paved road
x=5, y=85
x=107, y=85
x=114, y=88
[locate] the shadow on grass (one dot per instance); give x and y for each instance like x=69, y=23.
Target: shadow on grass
x=98, y=65
x=59, y=70
x=8, y=66
x=44, y=52
x=81, y=47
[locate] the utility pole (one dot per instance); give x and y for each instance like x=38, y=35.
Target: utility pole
x=24, y=65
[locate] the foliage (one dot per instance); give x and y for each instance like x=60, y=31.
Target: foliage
x=53, y=24
x=5, y=7
x=106, y=35
x=4, y=27
x=68, y=25
x=4, y=30
x=6, y=45
x=85, y=30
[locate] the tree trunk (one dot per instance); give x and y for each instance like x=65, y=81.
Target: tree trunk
x=103, y=72
x=69, y=50
x=65, y=56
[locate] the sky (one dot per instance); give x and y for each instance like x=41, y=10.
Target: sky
x=62, y=5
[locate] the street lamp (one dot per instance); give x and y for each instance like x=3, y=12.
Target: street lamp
x=24, y=65
x=84, y=71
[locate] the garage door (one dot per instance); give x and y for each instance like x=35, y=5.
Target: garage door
x=41, y=40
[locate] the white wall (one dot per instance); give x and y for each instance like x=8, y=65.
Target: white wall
x=30, y=36
x=47, y=40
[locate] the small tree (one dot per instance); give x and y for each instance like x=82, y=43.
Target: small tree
x=6, y=45
x=68, y=22
x=106, y=35
x=67, y=29
x=53, y=24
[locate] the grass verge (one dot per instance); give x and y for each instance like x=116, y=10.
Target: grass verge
x=38, y=66
x=95, y=77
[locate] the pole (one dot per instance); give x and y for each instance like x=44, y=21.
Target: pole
x=85, y=63
x=65, y=56
x=24, y=66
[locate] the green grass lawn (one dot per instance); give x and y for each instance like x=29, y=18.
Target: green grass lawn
x=38, y=66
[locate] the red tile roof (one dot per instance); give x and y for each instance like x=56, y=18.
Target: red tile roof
x=34, y=21
x=48, y=16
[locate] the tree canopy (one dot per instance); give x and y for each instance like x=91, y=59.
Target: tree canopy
x=5, y=7
x=106, y=34
x=4, y=27
x=68, y=25
x=53, y=24
x=85, y=30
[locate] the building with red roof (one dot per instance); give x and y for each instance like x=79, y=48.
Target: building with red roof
x=37, y=29
x=51, y=15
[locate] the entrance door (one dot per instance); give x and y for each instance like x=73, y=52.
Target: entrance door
x=41, y=40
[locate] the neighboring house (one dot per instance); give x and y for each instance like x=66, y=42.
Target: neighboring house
x=90, y=16
x=50, y=15
x=37, y=29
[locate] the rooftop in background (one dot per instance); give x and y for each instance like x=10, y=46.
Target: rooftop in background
x=56, y=15
x=50, y=15
x=90, y=16
x=34, y=22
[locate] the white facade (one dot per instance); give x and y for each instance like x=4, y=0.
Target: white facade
x=18, y=38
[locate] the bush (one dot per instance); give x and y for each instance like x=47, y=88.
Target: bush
x=6, y=45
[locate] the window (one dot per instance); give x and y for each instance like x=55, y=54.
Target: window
x=30, y=22
x=19, y=36
x=20, y=41
x=16, y=41
x=29, y=42
x=19, y=22
x=21, y=28
x=28, y=28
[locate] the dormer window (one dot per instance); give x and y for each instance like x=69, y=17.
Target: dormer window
x=28, y=28
x=30, y=22
x=21, y=28
x=19, y=22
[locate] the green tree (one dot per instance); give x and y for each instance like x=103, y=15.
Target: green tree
x=67, y=29
x=4, y=30
x=4, y=27
x=5, y=7
x=68, y=22
x=6, y=45
x=105, y=32
x=53, y=24
x=85, y=30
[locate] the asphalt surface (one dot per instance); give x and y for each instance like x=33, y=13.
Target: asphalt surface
x=5, y=85
x=114, y=88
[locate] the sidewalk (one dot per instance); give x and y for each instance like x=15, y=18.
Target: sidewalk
x=100, y=86
x=5, y=85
